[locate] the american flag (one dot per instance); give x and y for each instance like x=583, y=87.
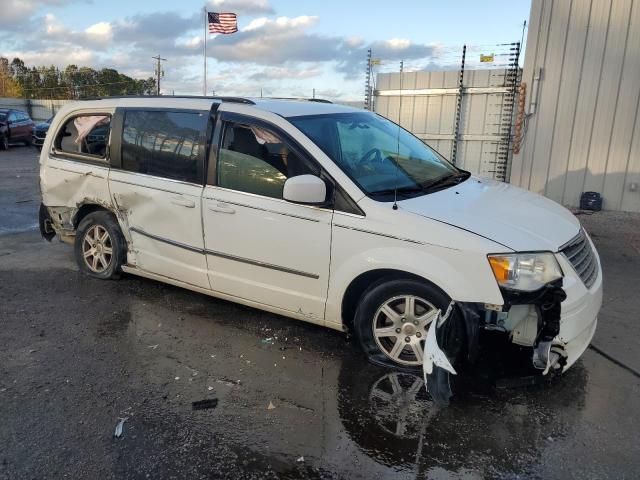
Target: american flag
x=222, y=22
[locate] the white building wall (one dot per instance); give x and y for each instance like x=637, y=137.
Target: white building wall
x=584, y=134
x=429, y=102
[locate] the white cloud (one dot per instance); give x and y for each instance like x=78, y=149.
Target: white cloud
x=101, y=31
x=282, y=73
x=16, y=13
x=241, y=7
x=398, y=43
x=281, y=24
x=282, y=55
x=59, y=56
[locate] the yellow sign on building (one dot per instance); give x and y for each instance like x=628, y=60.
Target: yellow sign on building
x=486, y=58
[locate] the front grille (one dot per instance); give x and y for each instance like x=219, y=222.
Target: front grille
x=582, y=257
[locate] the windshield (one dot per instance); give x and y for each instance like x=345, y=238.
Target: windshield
x=3, y=116
x=366, y=146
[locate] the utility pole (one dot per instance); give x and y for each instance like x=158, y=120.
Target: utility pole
x=159, y=72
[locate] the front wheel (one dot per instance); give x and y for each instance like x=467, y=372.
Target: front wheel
x=393, y=318
x=100, y=248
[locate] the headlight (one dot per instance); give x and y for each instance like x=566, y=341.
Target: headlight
x=525, y=271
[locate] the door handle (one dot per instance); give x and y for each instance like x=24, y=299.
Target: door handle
x=220, y=207
x=183, y=202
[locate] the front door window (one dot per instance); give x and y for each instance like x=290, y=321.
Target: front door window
x=256, y=160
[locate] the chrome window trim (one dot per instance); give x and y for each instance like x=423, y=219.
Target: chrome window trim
x=154, y=177
x=280, y=200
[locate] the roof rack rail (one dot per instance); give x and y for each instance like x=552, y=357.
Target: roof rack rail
x=222, y=99
x=299, y=99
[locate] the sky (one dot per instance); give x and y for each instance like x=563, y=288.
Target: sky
x=283, y=47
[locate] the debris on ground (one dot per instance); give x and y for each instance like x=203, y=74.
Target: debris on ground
x=119, y=427
x=153, y=347
x=271, y=406
x=204, y=404
x=268, y=341
x=226, y=382
x=300, y=459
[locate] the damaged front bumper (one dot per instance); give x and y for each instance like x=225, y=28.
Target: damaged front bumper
x=557, y=322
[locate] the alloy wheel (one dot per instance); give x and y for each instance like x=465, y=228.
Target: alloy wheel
x=97, y=249
x=400, y=328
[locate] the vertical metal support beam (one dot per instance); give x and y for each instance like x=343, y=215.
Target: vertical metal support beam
x=367, y=84
x=512, y=82
x=456, y=133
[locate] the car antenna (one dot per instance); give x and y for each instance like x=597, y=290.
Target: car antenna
x=395, y=188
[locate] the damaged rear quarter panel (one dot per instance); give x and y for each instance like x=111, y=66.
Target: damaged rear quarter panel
x=67, y=185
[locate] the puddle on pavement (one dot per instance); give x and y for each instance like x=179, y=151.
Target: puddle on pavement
x=114, y=325
x=330, y=406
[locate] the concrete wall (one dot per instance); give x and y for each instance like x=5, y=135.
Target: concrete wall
x=585, y=133
x=38, y=109
x=429, y=108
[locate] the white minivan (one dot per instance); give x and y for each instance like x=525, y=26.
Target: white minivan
x=324, y=213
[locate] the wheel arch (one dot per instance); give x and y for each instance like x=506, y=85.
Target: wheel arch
x=87, y=208
x=366, y=280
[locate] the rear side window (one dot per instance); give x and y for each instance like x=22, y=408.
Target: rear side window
x=164, y=144
x=85, y=135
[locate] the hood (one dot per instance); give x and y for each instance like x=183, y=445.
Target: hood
x=511, y=216
x=42, y=126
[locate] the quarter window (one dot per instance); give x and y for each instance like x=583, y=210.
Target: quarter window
x=86, y=135
x=165, y=144
x=255, y=159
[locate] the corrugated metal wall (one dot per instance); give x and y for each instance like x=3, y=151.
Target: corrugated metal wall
x=429, y=109
x=585, y=133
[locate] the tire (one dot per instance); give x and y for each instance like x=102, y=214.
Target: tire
x=4, y=143
x=28, y=142
x=393, y=350
x=98, y=255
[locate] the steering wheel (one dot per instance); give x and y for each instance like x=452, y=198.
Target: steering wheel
x=374, y=153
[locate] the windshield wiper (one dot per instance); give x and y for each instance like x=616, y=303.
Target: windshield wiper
x=448, y=180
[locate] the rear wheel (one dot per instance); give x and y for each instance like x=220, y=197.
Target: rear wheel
x=4, y=143
x=393, y=318
x=100, y=248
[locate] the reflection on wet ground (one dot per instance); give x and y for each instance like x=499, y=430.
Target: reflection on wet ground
x=294, y=400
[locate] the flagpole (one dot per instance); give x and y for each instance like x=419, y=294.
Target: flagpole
x=206, y=25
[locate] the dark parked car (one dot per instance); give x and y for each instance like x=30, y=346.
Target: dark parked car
x=40, y=132
x=15, y=126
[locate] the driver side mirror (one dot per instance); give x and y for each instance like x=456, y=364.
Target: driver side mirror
x=305, y=189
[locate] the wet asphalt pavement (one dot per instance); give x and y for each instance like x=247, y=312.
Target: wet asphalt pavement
x=293, y=400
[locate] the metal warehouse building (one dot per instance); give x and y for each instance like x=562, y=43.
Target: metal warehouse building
x=581, y=85
x=582, y=70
